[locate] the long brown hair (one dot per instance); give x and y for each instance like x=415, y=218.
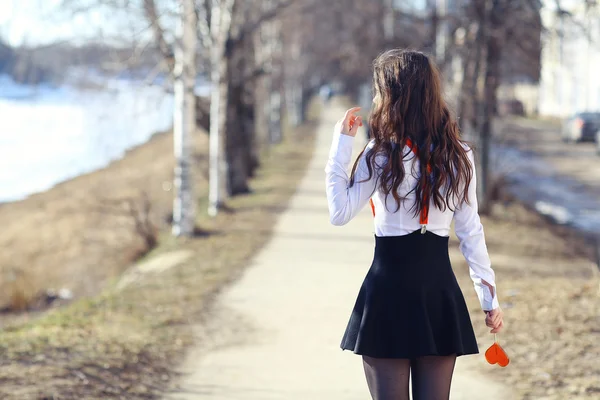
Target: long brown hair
x=409, y=104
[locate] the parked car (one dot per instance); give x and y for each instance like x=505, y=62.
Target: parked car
x=582, y=127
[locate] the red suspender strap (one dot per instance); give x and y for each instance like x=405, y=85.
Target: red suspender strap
x=424, y=218
x=372, y=206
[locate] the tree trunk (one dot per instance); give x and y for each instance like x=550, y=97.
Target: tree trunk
x=238, y=145
x=275, y=126
x=292, y=84
x=184, y=121
x=252, y=150
x=470, y=103
x=263, y=88
x=220, y=24
x=293, y=101
x=275, y=102
x=492, y=80
x=434, y=18
x=463, y=100
x=203, y=112
x=388, y=21
x=252, y=144
x=218, y=174
x=240, y=115
x=261, y=126
x=474, y=92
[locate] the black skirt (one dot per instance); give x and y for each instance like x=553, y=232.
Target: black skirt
x=410, y=304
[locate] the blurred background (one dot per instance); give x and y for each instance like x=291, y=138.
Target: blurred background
x=135, y=129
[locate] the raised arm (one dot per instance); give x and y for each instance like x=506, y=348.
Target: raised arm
x=345, y=201
x=469, y=231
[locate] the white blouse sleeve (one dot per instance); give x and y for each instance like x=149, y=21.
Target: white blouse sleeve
x=469, y=231
x=344, y=201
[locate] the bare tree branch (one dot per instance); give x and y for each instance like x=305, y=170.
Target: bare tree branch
x=266, y=16
x=563, y=13
x=159, y=33
x=203, y=11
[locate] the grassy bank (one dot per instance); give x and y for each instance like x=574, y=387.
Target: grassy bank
x=123, y=343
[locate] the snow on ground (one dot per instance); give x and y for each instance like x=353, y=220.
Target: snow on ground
x=51, y=134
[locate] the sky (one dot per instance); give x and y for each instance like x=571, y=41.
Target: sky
x=34, y=22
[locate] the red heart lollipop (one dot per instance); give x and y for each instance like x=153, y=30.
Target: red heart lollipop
x=495, y=355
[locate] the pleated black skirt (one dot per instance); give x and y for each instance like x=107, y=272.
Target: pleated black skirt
x=410, y=304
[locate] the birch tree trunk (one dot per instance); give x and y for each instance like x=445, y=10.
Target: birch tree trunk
x=184, y=120
x=220, y=24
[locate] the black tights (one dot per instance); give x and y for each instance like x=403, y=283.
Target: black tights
x=388, y=377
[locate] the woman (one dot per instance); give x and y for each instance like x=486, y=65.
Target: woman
x=418, y=175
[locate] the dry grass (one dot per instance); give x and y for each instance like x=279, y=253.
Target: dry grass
x=122, y=344
x=78, y=235
x=549, y=289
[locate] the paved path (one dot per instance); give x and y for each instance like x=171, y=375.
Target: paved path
x=279, y=327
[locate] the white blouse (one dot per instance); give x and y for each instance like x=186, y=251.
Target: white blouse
x=345, y=203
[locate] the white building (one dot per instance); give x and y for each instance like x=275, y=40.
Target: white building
x=570, y=76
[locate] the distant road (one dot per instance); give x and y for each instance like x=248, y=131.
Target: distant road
x=576, y=160
x=557, y=178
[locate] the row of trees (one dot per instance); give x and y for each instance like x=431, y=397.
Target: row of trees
x=254, y=68
x=494, y=42
x=23, y=65
x=264, y=58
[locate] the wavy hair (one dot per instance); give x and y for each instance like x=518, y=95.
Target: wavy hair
x=409, y=104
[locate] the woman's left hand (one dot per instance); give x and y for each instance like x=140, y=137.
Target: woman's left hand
x=350, y=123
x=495, y=319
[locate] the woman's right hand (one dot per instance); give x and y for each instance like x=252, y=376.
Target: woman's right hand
x=495, y=319
x=350, y=123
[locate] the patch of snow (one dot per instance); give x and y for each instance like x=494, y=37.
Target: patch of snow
x=560, y=214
